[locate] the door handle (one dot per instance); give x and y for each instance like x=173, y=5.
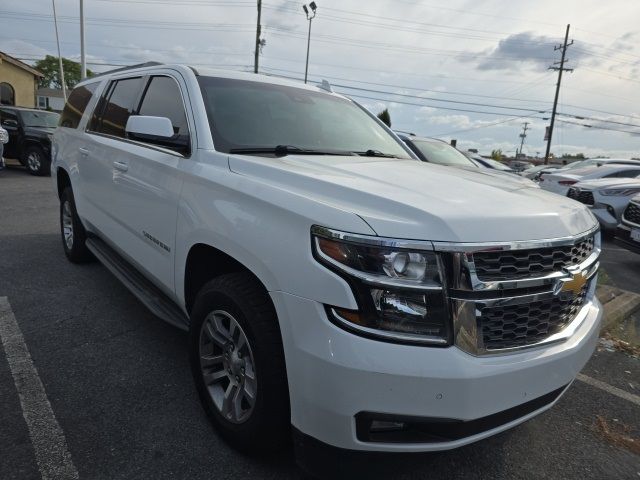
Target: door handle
x=83, y=151
x=123, y=167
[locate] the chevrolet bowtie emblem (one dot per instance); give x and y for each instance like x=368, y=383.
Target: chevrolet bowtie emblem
x=575, y=284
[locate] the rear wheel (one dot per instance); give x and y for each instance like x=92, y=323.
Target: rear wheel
x=237, y=363
x=36, y=161
x=73, y=233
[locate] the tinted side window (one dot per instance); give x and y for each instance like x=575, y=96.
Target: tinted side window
x=76, y=104
x=162, y=99
x=116, y=106
x=7, y=115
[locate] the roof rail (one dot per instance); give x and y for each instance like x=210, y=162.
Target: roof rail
x=128, y=67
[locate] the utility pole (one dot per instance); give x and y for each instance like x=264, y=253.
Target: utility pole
x=258, y=44
x=560, y=69
x=523, y=135
x=83, y=58
x=55, y=22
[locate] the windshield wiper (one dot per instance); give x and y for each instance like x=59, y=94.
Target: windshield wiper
x=283, y=150
x=376, y=153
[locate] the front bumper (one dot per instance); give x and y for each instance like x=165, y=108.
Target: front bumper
x=334, y=376
x=623, y=238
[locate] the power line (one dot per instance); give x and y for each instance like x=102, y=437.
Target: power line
x=487, y=125
x=432, y=99
x=597, y=127
x=582, y=117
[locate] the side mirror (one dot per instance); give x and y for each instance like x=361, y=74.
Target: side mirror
x=10, y=123
x=146, y=125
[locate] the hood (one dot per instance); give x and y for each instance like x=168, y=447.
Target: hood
x=514, y=177
x=418, y=200
x=601, y=183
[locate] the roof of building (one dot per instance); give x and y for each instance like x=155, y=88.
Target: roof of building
x=8, y=58
x=49, y=92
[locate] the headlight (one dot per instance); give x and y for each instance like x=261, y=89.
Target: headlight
x=399, y=290
x=619, y=192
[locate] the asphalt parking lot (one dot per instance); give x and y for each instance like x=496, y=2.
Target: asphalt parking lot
x=118, y=382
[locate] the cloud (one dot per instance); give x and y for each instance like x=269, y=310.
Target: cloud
x=22, y=49
x=518, y=50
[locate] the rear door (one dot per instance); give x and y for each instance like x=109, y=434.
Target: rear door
x=105, y=148
x=147, y=184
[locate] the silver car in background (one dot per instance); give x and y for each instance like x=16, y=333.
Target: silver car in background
x=560, y=181
x=607, y=197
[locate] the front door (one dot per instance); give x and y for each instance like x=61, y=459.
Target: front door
x=147, y=184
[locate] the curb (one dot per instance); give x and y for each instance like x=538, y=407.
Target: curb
x=618, y=306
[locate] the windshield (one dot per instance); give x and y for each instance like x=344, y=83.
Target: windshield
x=497, y=165
x=441, y=153
x=40, y=119
x=253, y=115
x=581, y=164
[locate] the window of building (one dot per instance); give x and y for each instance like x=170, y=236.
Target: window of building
x=7, y=94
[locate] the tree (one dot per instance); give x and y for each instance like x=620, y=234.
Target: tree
x=385, y=117
x=577, y=156
x=496, y=154
x=50, y=68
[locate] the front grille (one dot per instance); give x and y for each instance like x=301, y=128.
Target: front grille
x=632, y=213
x=514, y=264
x=520, y=325
x=583, y=196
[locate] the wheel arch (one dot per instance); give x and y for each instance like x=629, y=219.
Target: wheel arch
x=62, y=180
x=205, y=262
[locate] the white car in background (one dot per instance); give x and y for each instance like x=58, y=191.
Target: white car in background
x=534, y=173
x=559, y=182
x=607, y=197
x=628, y=232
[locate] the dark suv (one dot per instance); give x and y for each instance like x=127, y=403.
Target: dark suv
x=30, y=132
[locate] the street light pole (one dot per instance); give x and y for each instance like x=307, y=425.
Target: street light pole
x=55, y=22
x=310, y=16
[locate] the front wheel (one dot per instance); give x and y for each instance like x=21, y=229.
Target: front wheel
x=73, y=233
x=36, y=161
x=237, y=362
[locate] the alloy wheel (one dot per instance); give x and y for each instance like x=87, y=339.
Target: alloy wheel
x=227, y=366
x=67, y=224
x=33, y=160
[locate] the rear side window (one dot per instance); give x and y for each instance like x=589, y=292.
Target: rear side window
x=76, y=105
x=115, y=107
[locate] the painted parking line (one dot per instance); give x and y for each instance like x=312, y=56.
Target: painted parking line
x=47, y=438
x=630, y=397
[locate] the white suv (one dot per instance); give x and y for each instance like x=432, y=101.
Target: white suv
x=329, y=280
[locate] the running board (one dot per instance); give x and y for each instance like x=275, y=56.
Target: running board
x=150, y=295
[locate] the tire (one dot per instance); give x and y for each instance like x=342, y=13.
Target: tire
x=36, y=161
x=72, y=232
x=264, y=425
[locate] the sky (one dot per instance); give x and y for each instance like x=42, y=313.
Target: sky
x=465, y=70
